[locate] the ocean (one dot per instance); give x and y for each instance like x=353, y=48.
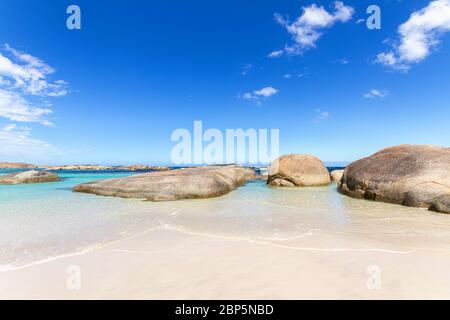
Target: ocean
x=40, y=222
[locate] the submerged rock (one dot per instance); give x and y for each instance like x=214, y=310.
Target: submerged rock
x=298, y=170
x=336, y=175
x=188, y=183
x=32, y=176
x=411, y=175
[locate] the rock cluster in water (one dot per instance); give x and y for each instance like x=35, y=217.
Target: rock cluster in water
x=188, y=183
x=32, y=176
x=410, y=175
x=94, y=167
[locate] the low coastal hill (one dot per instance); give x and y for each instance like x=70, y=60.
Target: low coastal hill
x=16, y=165
x=82, y=167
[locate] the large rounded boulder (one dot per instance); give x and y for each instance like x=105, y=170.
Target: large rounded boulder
x=298, y=170
x=411, y=175
x=336, y=175
x=188, y=183
x=32, y=176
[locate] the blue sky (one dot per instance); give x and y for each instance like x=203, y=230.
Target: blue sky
x=114, y=91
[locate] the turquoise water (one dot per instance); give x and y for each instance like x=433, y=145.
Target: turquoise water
x=39, y=222
x=9, y=193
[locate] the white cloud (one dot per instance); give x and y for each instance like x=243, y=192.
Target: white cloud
x=387, y=59
x=258, y=95
x=24, y=77
x=275, y=54
x=308, y=28
x=17, y=142
x=30, y=74
x=287, y=76
x=321, y=115
x=265, y=92
x=15, y=108
x=376, y=93
x=418, y=36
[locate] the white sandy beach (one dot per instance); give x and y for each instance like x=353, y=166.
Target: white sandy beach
x=168, y=264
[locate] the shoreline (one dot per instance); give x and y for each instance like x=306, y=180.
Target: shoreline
x=148, y=266
x=260, y=241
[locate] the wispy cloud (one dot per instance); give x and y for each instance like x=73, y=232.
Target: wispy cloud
x=14, y=107
x=321, y=115
x=259, y=95
x=24, y=85
x=307, y=29
x=376, y=93
x=246, y=69
x=342, y=61
x=419, y=35
x=17, y=142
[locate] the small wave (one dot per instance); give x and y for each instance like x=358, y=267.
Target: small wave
x=275, y=242
x=85, y=250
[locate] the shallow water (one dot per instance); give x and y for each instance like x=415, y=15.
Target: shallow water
x=42, y=221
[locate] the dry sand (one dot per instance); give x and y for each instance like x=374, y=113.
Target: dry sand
x=169, y=264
